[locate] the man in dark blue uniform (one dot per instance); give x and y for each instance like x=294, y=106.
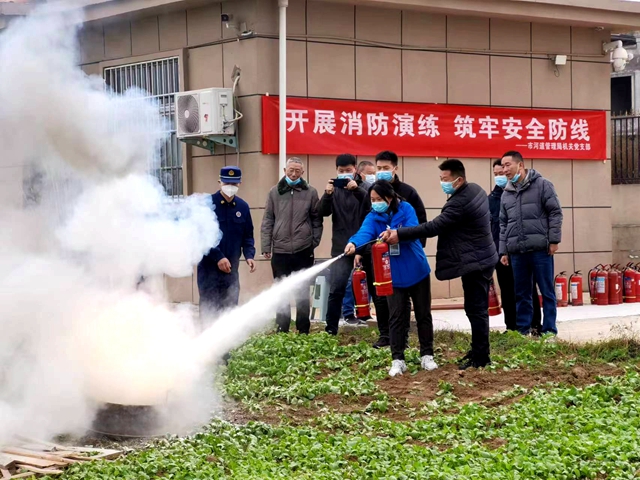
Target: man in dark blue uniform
x=218, y=281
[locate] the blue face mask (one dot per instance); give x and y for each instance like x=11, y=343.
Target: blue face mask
x=384, y=175
x=380, y=207
x=292, y=182
x=448, y=188
x=346, y=175
x=515, y=178
x=501, y=180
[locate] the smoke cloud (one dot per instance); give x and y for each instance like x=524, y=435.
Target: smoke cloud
x=81, y=221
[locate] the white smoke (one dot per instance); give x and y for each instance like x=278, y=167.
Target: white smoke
x=80, y=222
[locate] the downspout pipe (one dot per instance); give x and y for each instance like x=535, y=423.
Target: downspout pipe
x=282, y=6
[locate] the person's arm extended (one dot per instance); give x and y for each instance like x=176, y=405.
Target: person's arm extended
x=366, y=233
x=451, y=214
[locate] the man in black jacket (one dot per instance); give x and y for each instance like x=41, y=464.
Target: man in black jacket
x=530, y=232
x=343, y=204
x=505, y=272
x=465, y=249
x=386, y=169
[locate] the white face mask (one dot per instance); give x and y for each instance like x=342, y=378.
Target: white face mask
x=370, y=178
x=229, y=190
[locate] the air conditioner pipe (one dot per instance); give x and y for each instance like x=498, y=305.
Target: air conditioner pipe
x=282, y=5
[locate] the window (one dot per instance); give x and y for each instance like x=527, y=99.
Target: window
x=161, y=79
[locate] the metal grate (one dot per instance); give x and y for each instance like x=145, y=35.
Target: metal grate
x=625, y=150
x=161, y=79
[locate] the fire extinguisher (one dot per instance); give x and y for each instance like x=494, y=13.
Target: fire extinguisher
x=575, y=282
x=539, y=295
x=382, y=269
x=360, y=293
x=614, y=286
x=562, y=291
x=629, y=284
x=593, y=273
x=494, y=303
x=619, y=271
x=602, y=287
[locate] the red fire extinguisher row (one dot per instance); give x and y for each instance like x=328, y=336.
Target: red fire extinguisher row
x=562, y=291
x=382, y=269
x=360, y=293
x=494, y=303
x=575, y=284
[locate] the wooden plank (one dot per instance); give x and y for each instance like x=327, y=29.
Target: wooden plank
x=35, y=462
x=6, y=461
x=44, y=471
x=39, y=455
x=22, y=475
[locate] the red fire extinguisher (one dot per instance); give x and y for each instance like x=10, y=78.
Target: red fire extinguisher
x=494, y=303
x=619, y=271
x=614, y=286
x=575, y=283
x=382, y=269
x=593, y=273
x=360, y=293
x=562, y=291
x=629, y=284
x=602, y=287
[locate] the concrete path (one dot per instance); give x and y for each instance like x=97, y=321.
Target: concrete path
x=577, y=324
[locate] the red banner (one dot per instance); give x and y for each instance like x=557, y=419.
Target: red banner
x=331, y=127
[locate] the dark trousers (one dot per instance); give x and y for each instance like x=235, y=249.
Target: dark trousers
x=526, y=267
x=400, y=316
x=382, y=306
x=508, y=297
x=476, y=305
x=218, y=291
x=283, y=265
x=340, y=271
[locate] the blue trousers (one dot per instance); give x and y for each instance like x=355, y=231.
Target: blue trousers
x=525, y=266
x=348, y=302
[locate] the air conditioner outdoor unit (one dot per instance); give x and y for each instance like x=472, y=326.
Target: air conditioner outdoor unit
x=205, y=112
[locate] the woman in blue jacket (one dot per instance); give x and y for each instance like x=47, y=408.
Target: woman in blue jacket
x=409, y=272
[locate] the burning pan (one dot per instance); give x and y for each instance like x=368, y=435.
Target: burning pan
x=114, y=420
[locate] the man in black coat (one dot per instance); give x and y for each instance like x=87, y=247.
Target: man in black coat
x=465, y=249
x=387, y=169
x=343, y=205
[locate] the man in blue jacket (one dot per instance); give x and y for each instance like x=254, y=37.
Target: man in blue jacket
x=530, y=232
x=218, y=281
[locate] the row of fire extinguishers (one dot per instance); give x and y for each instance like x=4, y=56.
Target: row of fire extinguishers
x=613, y=285
x=568, y=291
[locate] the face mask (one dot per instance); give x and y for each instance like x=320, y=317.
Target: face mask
x=379, y=207
x=346, y=175
x=515, y=178
x=385, y=175
x=448, y=188
x=229, y=190
x=501, y=181
x=292, y=182
x=370, y=179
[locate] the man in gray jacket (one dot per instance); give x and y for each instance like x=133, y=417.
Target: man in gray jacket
x=530, y=231
x=291, y=230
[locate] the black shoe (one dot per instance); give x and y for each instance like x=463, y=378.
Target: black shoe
x=465, y=358
x=470, y=363
x=382, y=343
